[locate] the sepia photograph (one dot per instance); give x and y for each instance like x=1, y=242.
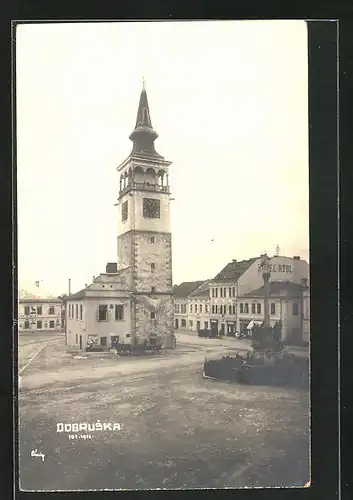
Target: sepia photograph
x=163, y=255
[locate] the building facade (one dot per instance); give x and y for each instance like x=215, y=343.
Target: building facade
x=40, y=315
x=239, y=278
x=285, y=305
x=141, y=283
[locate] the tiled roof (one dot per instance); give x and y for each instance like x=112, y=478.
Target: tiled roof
x=202, y=290
x=278, y=288
x=233, y=270
x=184, y=289
x=76, y=296
x=38, y=300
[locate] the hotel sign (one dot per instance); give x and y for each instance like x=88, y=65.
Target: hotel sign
x=276, y=268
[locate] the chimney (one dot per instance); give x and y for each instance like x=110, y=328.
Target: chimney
x=234, y=260
x=69, y=286
x=111, y=267
x=296, y=257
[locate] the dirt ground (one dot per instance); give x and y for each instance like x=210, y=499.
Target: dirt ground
x=177, y=430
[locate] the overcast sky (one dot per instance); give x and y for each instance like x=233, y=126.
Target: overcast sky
x=229, y=101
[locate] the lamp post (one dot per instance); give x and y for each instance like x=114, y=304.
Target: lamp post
x=266, y=277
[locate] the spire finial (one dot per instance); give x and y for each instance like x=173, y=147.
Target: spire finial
x=277, y=250
x=143, y=83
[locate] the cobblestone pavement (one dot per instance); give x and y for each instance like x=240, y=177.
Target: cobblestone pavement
x=178, y=430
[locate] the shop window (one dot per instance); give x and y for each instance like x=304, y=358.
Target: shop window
x=51, y=324
x=39, y=325
x=26, y=325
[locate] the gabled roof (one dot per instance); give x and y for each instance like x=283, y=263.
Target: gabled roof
x=201, y=291
x=184, y=289
x=234, y=270
x=278, y=288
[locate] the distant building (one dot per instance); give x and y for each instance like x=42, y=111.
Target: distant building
x=37, y=314
x=239, y=278
x=285, y=305
x=181, y=303
x=191, y=302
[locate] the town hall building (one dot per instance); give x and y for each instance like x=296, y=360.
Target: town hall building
x=133, y=300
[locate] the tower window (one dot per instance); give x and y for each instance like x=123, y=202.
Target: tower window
x=151, y=208
x=152, y=239
x=124, y=211
x=153, y=267
x=153, y=288
x=153, y=315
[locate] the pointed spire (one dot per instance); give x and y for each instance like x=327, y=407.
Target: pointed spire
x=143, y=136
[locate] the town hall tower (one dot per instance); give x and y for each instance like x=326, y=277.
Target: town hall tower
x=144, y=232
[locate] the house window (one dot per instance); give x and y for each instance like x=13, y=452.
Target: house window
x=119, y=311
x=230, y=309
x=206, y=325
x=103, y=341
x=26, y=325
x=51, y=324
x=191, y=308
x=26, y=310
x=241, y=307
x=304, y=281
x=152, y=239
x=39, y=310
x=253, y=308
x=51, y=310
x=213, y=309
x=102, y=312
x=153, y=288
x=221, y=292
x=76, y=311
x=246, y=308
x=230, y=291
x=258, y=308
x=224, y=292
x=216, y=292
x=200, y=308
x=233, y=290
x=153, y=267
x=39, y=325
x=234, y=311
x=216, y=308
x=295, y=309
x=76, y=338
x=183, y=323
x=273, y=308
x=195, y=308
x=81, y=311
x=213, y=294
x=153, y=316
x=190, y=323
x=206, y=308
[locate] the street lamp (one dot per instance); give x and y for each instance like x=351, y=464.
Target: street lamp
x=265, y=261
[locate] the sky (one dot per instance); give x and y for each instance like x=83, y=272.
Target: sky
x=229, y=101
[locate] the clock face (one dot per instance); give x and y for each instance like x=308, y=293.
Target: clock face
x=151, y=208
x=124, y=210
